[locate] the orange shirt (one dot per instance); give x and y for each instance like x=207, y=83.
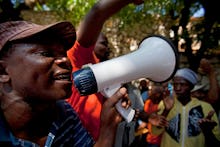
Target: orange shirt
x=150, y=107
x=88, y=107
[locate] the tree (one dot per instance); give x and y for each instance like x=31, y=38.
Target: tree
x=171, y=18
x=8, y=11
x=206, y=31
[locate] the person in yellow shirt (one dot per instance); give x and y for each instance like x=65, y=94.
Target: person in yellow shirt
x=184, y=114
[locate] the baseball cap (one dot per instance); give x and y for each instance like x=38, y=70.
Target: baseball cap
x=16, y=30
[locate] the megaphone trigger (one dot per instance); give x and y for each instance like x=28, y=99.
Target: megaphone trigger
x=127, y=114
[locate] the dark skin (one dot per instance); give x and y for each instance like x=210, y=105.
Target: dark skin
x=182, y=90
x=33, y=106
x=29, y=110
x=207, y=124
x=212, y=94
x=101, y=49
x=156, y=94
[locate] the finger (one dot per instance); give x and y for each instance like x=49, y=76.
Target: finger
x=210, y=114
x=125, y=102
x=201, y=121
x=137, y=113
x=121, y=93
x=164, y=122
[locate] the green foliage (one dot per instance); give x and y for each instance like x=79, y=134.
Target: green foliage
x=75, y=10
x=72, y=10
x=149, y=10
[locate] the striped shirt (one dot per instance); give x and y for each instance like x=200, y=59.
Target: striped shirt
x=67, y=131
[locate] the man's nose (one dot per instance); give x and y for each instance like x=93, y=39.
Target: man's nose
x=177, y=86
x=63, y=61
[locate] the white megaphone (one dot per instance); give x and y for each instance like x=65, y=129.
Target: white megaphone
x=155, y=59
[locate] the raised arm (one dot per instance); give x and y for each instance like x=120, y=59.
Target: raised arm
x=207, y=68
x=92, y=24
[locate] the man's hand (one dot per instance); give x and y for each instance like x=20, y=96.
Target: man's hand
x=109, y=114
x=110, y=118
x=168, y=99
x=168, y=102
x=205, y=66
x=153, y=118
x=158, y=120
x=206, y=124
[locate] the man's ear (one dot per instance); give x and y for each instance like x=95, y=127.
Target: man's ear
x=4, y=77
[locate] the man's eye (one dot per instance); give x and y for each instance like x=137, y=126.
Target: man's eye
x=46, y=54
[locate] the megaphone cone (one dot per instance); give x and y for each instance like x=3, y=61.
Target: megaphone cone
x=155, y=59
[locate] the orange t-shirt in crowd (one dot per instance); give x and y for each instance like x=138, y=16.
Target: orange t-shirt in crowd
x=150, y=107
x=88, y=107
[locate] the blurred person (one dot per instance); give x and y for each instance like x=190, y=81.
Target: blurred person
x=184, y=113
x=150, y=106
x=199, y=92
x=101, y=49
x=207, y=90
x=149, y=117
x=143, y=86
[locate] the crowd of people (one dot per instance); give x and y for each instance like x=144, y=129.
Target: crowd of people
x=40, y=106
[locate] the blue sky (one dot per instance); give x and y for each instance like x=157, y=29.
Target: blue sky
x=199, y=13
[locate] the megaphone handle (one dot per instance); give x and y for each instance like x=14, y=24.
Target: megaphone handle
x=127, y=114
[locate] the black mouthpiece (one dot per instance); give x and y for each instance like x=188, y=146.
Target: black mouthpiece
x=84, y=81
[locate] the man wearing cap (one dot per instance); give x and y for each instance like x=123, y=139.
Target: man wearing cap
x=35, y=78
x=184, y=113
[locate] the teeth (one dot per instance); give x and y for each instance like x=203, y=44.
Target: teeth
x=62, y=77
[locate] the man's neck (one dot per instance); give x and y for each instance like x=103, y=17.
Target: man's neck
x=184, y=100
x=27, y=121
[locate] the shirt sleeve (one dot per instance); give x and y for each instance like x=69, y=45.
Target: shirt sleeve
x=80, y=55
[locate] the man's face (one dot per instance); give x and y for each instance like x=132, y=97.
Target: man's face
x=156, y=94
x=182, y=87
x=200, y=94
x=39, y=71
x=101, y=48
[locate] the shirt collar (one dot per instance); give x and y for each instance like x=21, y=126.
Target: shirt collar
x=4, y=131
